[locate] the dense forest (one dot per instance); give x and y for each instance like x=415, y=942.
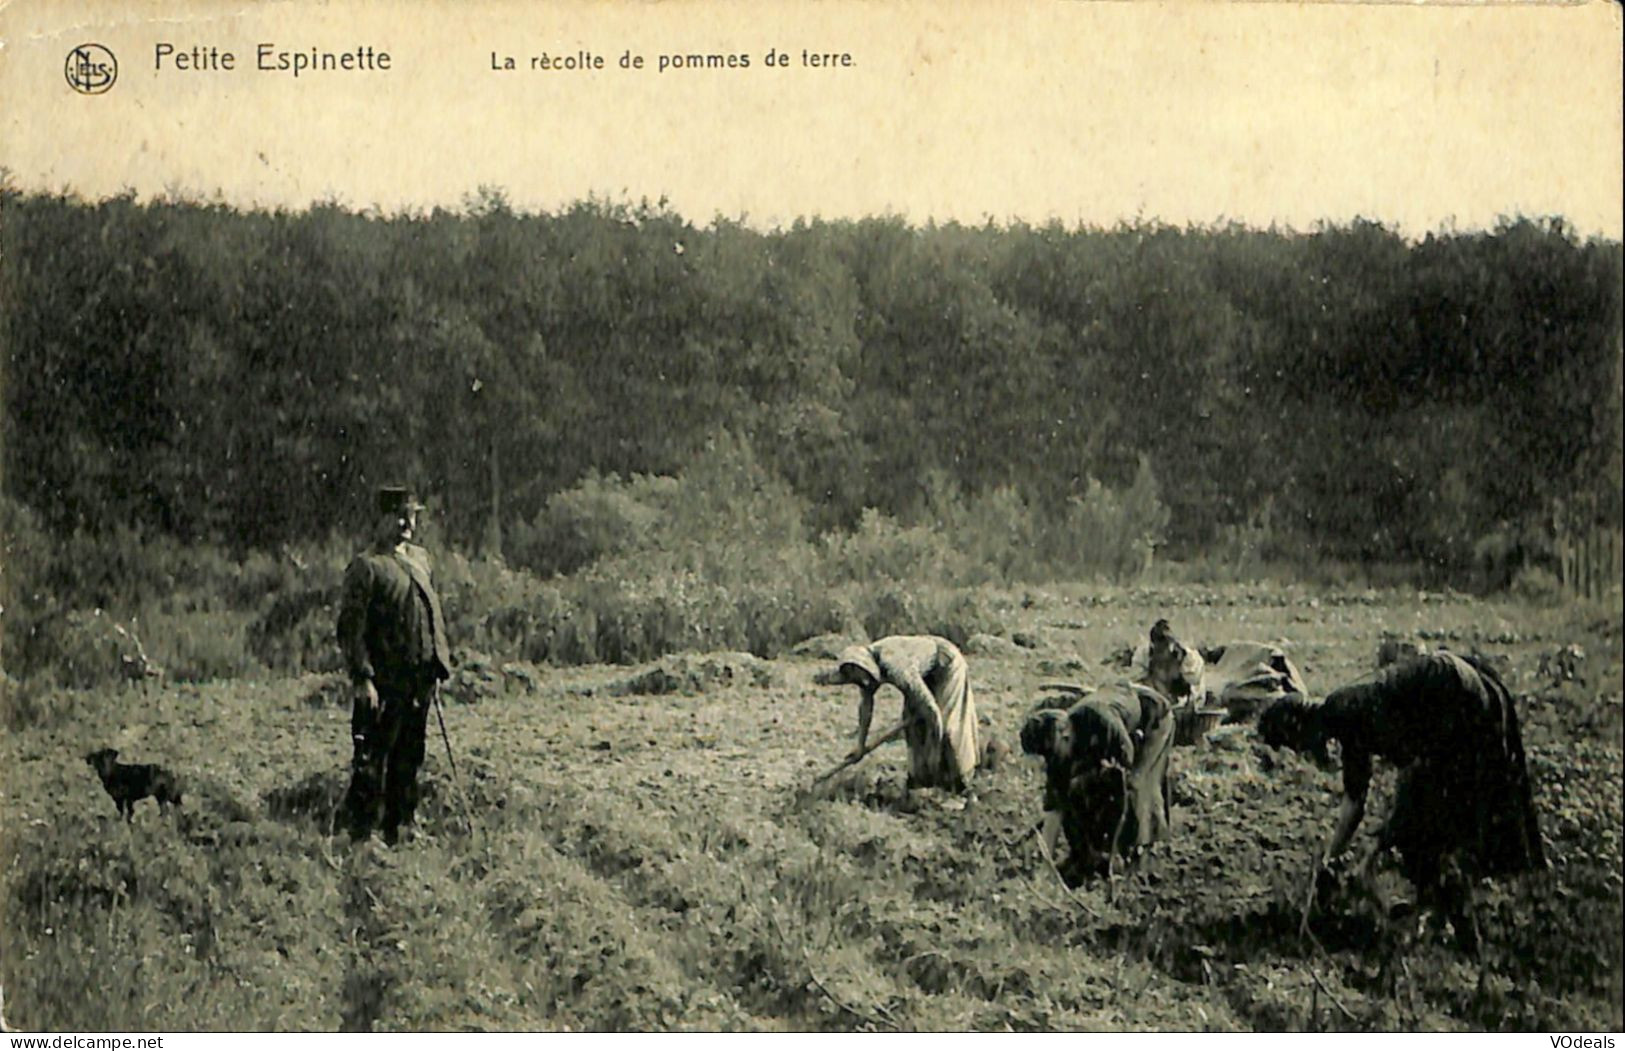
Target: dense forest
x=244, y=378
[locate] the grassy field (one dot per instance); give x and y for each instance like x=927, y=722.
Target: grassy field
x=636, y=860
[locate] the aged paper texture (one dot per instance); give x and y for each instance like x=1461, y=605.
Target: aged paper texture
x=1092, y=112
x=840, y=516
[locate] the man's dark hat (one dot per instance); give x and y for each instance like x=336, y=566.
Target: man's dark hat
x=393, y=499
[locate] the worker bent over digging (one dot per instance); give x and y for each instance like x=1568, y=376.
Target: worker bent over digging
x=393, y=636
x=1106, y=758
x=939, y=712
x=1464, y=800
x=1105, y=775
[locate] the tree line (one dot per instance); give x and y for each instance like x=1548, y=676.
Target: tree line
x=246, y=378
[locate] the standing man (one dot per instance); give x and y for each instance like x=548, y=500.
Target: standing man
x=393, y=636
x=938, y=707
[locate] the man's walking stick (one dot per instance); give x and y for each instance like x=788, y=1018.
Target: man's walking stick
x=456, y=782
x=439, y=714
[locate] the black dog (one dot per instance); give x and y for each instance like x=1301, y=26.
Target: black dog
x=128, y=784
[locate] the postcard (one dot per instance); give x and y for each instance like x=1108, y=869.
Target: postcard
x=812, y=517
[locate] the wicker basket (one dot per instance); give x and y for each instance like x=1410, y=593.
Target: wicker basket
x=1192, y=724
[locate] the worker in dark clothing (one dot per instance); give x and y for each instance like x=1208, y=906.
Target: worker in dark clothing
x=1106, y=773
x=1464, y=792
x=392, y=633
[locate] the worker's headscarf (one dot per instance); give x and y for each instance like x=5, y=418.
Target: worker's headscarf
x=859, y=656
x=1295, y=722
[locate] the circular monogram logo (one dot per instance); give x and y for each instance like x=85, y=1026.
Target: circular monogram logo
x=90, y=69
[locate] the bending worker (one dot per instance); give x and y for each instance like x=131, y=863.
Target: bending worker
x=1106, y=758
x=939, y=712
x=1449, y=723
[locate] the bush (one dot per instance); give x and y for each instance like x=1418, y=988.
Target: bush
x=955, y=614
x=200, y=612
x=198, y=647
x=78, y=649
x=25, y=598
x=1112, y=534
x=1507, y=553
x=882, y=550
x=728, y=501
x=637, y=614
x=296, y=633
x=1244, y=550
x=1538, y=586
x=716, y=559
x=725, y=502
x=36, y=703
x=1000, y=533
x=600, y=517
x=629, y=610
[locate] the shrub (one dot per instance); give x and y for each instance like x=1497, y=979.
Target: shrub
x=37, y=703
x=200, y=611
x=638, y=613
x=296, y=633
x=955, y=614
x=727, y=498
x=73, y=648
x=1000, y=534
x=880, y=549
x=1112, y=534
x=26, y=645
x=725, y=511
x=199, y=646
x=1538, y=586
x=1506, y=553
x=600, y=517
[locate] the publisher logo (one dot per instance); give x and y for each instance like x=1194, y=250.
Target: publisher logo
x=90, y=69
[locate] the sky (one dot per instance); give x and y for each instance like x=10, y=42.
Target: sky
x=1422, y=116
